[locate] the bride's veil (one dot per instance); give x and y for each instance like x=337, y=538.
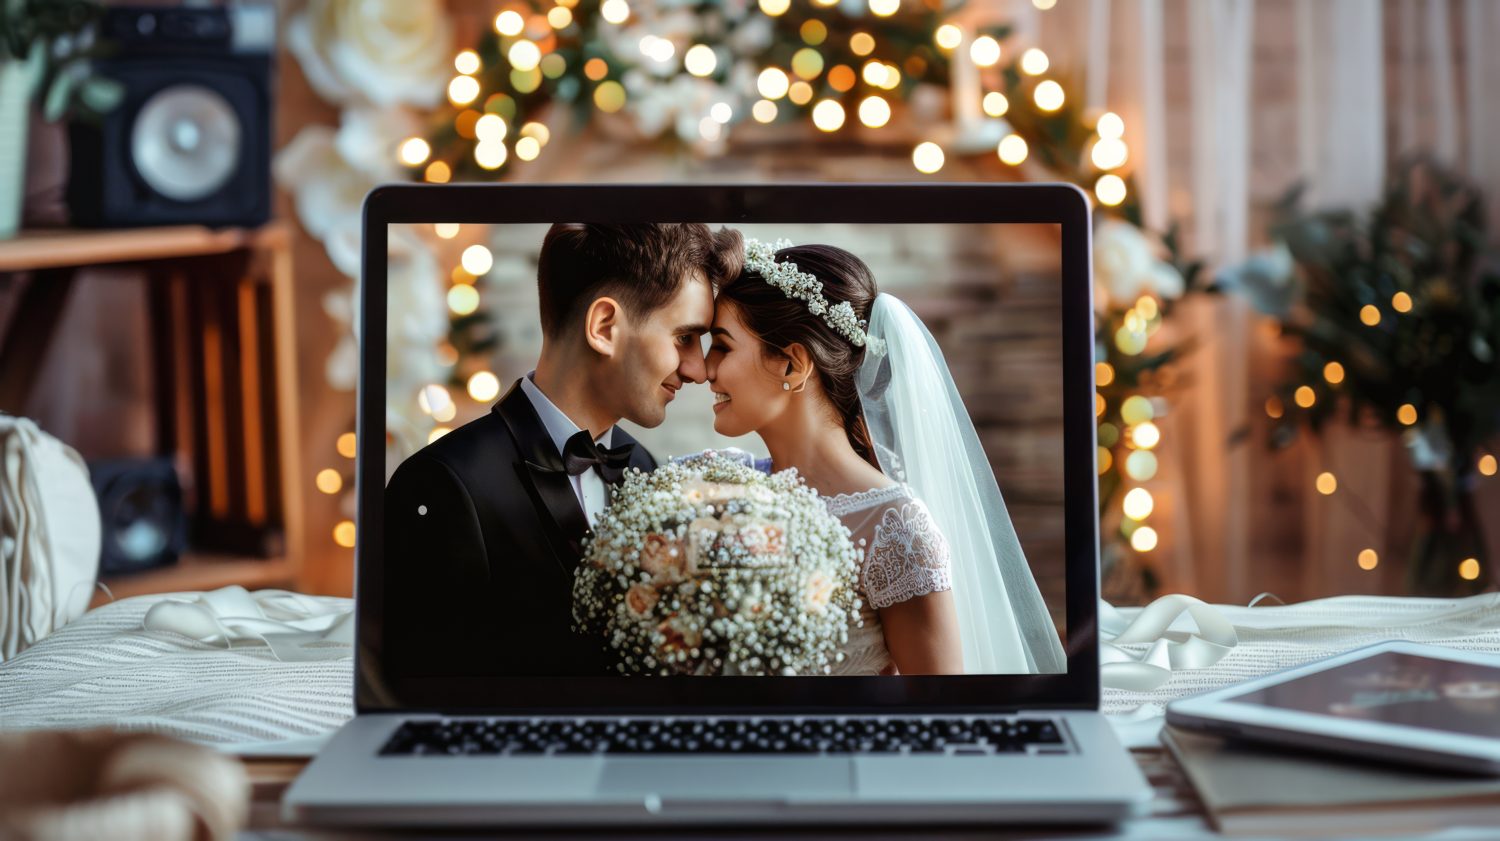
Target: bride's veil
x=923, y=437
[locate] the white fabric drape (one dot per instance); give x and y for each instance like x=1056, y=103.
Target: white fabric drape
x=1481, y=31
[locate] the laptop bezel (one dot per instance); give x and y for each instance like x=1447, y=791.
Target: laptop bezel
x=381, y=689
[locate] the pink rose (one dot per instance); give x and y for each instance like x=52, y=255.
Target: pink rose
x=640, y=598
x=662, y=556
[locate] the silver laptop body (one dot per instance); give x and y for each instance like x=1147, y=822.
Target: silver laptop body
x=469, y=750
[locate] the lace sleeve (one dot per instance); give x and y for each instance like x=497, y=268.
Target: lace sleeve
x=908, y=557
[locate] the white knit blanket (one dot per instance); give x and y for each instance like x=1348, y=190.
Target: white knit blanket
x=106, y=670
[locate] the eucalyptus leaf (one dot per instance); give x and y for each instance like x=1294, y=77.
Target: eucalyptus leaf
x=100, y=94
x=59, y=95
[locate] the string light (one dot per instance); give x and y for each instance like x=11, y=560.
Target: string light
x=1099, y=405
x=615, y=11
x=1145, y=435
x=700, y=60
x=764, y=111
x=1487, y=466
x=1401, y=302
x=875, y=112
x=842, y=78
x=1012, y=149
x=1110, y=126
x=1044, y=5
x=862, y=43
x=437, y=432
x=884, y=8
x=446, y=230
x=775, y=8
x=414, y=151
x=1108, y=152
x=437, y=172
x=985, y=51
x=1327, y=483
x=1333, y=372
x=1104, y=373
x=343, y=534
x=345, y=445
x=1130, y=342
x=466, y=62
x=721, y=112
x=560, y=17
x=927, y=157
x=1407, y=414
x=1141, y=465
x=609, y=97
x=596, y=69
x=1136, y=409
x=1369, y=314
x=948, y=36
x=463, y=299
x=329, y=481
x=800, y=93
x=1106, y=460
x=1368, y=560
x=772, y=83
x=995, y=104
x=710, y=129
x=813, y=32
x=1034, y=62
x=1139, y=504
x=509, y=23
x=490, y=129
x=807, y=63
x=1110, y=189
x=483, y=386
x=528, y=148
x=1305, y=396
x=828, y=115
x=463, y=90
x=477, y=260
x=1274, y=408
x=538, y=131
x=1468, y=569
x=1049, y=96
x=1143, y=539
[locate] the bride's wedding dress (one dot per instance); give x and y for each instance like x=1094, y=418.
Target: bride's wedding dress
x=902, y=556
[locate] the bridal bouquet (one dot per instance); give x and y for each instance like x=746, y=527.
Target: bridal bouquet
x=707, y=566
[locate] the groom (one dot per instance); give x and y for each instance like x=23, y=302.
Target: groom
x=483, y=526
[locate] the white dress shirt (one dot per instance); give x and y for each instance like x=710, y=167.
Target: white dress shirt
x=588, y=486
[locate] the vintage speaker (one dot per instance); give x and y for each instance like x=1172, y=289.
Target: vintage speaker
x=190, y=143
x=141, y=508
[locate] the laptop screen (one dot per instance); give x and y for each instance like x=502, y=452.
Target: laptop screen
x=635, y=451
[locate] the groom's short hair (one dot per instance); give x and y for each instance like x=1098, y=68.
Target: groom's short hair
x=641, y=265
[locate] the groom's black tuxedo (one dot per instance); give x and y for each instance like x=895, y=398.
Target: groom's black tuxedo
x=482, y=536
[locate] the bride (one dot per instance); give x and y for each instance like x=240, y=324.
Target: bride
x=847, y=386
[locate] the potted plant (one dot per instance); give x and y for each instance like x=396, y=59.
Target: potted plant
x=44, y=48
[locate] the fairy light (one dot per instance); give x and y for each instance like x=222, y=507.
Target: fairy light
x=329, y=481
x=995, y=104
x=463, y=90
x=1143, y=539
x=1044, y=5
x=813, y=32
x=884, y=8
x=528, y=148
x=1049, y=96
x=1110, y=126
x=842, y=78
x=927, y=157
x=343, y=534
x=875, y=112
x=1130, y=342
x=800, y=93
x=1305, y=397
x=1368, y=559
x=596, y=69
x=446, y=230
x=1369, y=315
x=609, y=97
x=700, y=60
x=828, y=115
x=414, y=151
x=1034, y=62
x=509, y=23
x=1110, y=189
x=1407, y=414
x=772, y=83
x=477, y=260
x=1137, y=409
x=948, y=36
x=862, y=43
x=466, y=62
x=615, y=11
x=483, y=386
x=764, y=111
x=538, y=131
x=1104, y=373
x=985, y=51
x=437, y=432
x=437, y=172
x=1274, y=408
x=1141, y=465
x=463, y=299
x=1147, y=307
x=490, y=129
x=1468, y=569
x=807, y=63
x=874, y=73
x=1106, y=460
x=1138, y=504
x=526, y=81
x=775, y=8
x=1012, y=149
x=1487, y=466
x=1108, y=152
x=659, y=50
x=345, y=445
x=1145, y=435
x=1401, y=302
x=710, y=129
x=1327, y=483
x=1099, y=405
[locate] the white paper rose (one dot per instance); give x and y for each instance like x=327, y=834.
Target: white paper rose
x=383, y=51
x=1126, y=267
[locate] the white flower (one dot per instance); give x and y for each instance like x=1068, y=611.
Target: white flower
x=383, y=51
x=369, y=140
x=1126, y=267
x=325, y=189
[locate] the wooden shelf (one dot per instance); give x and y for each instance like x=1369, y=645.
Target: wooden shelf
x=52, y=248
x=197, y=572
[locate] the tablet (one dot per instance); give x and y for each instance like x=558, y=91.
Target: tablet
x=1396, y=701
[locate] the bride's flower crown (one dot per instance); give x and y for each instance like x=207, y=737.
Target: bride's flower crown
x=760, y=257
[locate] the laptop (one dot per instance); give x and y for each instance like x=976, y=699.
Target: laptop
x=535, y=357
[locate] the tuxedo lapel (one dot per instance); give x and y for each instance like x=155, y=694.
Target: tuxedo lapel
x=540, y=468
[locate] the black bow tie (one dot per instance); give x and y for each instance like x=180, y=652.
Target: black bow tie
x=581, y=453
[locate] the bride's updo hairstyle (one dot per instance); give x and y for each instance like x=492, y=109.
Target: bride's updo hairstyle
x=780, y=322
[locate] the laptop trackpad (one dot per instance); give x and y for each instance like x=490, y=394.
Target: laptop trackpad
x=748, y=778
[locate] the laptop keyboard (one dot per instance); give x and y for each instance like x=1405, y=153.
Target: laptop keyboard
x=978, y=736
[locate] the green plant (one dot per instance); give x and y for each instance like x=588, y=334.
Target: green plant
x=55, y=38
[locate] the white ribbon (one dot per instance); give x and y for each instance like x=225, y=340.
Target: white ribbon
x=294, y=626
x=1169, y=649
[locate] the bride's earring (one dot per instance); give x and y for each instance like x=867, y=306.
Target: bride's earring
x=786, y=386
